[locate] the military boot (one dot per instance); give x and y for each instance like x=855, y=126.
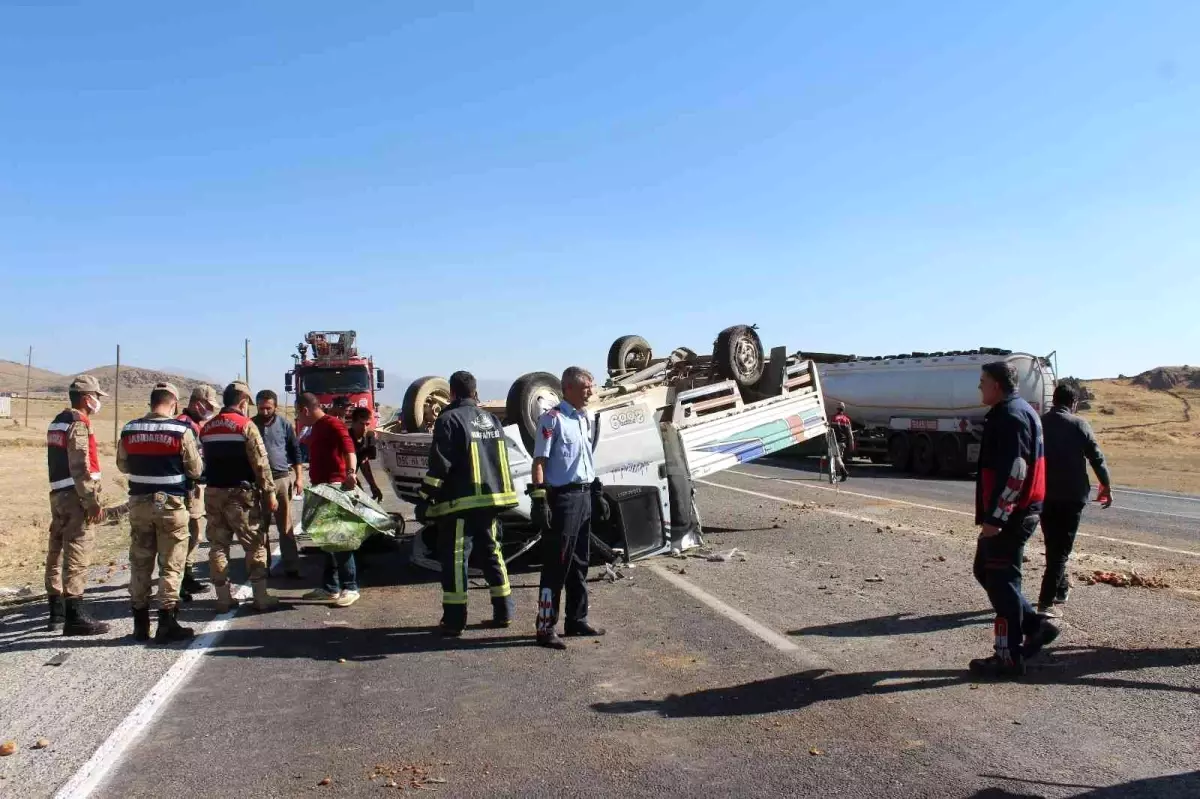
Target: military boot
x=141, y=624
x=190, y=585
x=80, y=622
x=169, y=629
x=263, y=600
x=225, y=600
x=58, y=613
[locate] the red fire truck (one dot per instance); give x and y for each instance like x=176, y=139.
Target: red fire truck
x=334, y=370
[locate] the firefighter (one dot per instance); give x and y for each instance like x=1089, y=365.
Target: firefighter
x=202, y=406
x=237, y=473
x=566, y=496
x=161, y=456
x=75, y=508
x=843, y=433
x=466, y=488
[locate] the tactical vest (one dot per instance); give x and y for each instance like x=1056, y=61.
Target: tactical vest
x=57, y=445
x=153, y=450
x=224, y=440
x=192, y=422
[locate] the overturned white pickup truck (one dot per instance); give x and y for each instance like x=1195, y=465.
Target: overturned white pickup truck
x=658, y=425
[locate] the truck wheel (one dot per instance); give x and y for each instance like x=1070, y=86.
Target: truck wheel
x=628, y=354
x=900, y=451
x=738, y=355
x=924, y=456
x=950, y=455
x=531, y=396
x=423, y=401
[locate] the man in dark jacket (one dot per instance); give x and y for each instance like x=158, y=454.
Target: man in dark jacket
x=1070, y=446
x=467, y=486
x=1009, y=491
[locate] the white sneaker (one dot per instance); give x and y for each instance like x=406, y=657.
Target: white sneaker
x=320, y=595
x=1050, y=611
x=346, y=599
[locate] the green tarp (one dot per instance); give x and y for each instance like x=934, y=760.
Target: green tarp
x=339, y=521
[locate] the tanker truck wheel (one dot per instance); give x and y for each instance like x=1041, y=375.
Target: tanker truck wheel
x=738, y=355
x=950, y=455
x=423, y=401
x=900, y=451
x=531, y=396
x=628, y=354
x=924, y=456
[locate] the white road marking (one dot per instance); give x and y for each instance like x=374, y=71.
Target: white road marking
x=760, y=631
x=92, y=773
x=1182, y=497
x=926, y=507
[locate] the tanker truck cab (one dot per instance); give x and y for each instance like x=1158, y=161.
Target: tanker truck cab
x=650, y=444
x=922, y=412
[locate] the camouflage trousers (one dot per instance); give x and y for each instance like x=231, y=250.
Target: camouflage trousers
x=158, y=531
x=70, y=546
x=196, y=519
x=229, y=511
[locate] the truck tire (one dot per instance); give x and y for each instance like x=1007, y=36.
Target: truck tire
x=951, y=456
x=900, y=451
x=628, y=354
x=423, y=401
x=924, y=456
x=738, y=355
x=529, y=397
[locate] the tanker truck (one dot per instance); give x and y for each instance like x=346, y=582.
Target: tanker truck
x=921, y=412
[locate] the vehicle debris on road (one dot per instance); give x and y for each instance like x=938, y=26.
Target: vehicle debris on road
x=1123, y=580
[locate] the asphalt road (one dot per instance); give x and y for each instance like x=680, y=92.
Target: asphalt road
x=794, y=672
x=1172, y=517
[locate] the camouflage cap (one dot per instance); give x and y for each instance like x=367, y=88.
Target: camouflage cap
x=206, y=394
x=239, y=386
x=166, y=387
x=86, y=384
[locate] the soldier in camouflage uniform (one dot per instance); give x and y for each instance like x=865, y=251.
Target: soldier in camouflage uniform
x=237, y=473
x=161, y=456
x=75, y=508
x=202, y=406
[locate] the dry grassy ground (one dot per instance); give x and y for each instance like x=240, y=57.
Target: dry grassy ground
x=1146, y=436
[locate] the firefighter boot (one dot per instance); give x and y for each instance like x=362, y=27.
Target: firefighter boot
x=225, y=600
x=263, y=600
x=141, y=624
x=169, y=629
x=58, y=614
x=80, y=622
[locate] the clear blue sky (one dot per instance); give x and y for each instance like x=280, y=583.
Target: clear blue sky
x=509, y=187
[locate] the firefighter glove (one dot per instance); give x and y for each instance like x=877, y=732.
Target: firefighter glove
x=600, y=509
x=539, y=510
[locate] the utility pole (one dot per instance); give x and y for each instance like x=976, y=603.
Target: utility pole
x=28, y=367
x=117, y=399
x=247, y=362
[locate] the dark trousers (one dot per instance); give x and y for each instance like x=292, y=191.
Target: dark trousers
x=998, y=570
x=482, y=529
x=1060, y=523
x=341, y=572
x=566, y=549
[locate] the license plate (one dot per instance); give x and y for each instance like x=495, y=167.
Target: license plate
x=412, y=461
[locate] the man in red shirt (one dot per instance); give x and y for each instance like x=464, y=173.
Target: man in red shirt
x=331, y=459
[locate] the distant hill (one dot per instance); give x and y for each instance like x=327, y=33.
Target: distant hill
x=12, y=378
x=1165, y=378
x=136, y=381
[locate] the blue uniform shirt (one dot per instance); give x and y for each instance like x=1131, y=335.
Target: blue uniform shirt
x=565, y=441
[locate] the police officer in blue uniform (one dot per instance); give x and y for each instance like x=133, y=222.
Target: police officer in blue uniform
x=566, y=494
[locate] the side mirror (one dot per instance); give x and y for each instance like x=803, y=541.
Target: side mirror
x=378, y=379
x=287, y=382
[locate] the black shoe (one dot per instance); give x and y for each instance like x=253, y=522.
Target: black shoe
x=584, y=630
x=185, y=595
x=58, y=614
x=141, y=624
x=80, y=622
x=449, y=632
x=997, y=669
x=498, y=624
x=551, y=641
x=1045, y=635
x=190, y=585
x=170, y=630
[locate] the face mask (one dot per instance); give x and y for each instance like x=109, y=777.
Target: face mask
x=93, y=405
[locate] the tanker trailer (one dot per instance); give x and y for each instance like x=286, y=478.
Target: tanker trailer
x=921, y=412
